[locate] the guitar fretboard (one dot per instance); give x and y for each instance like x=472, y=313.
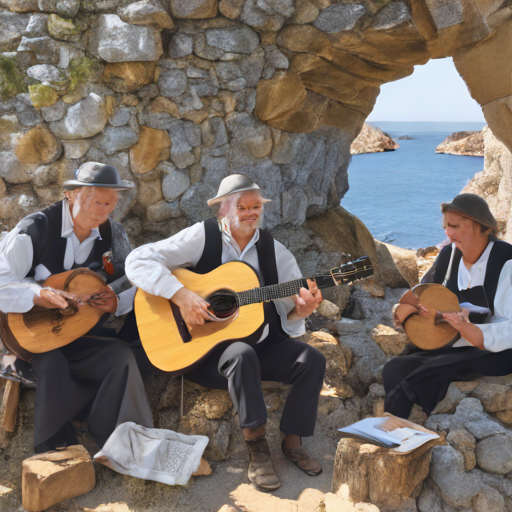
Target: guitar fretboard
x=275, y=291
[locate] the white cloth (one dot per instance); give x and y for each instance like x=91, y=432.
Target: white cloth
x=16, y=254
x=150, y=267
x=497, y=329
x=152, y=453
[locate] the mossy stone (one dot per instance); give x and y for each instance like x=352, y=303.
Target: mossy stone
x=12, y=78
x=63, y=29
x=42, y=95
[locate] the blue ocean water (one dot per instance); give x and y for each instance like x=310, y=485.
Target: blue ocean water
x=397, y=194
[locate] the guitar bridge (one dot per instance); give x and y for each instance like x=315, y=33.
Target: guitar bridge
x=180, y=323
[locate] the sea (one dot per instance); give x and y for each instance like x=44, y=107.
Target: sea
x=397, y=194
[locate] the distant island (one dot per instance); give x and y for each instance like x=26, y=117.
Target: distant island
x=463, y=143
x=406, y=137
x=372, y=140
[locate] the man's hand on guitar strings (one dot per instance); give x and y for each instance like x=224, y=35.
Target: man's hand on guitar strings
x=193, y=308
x=53, y=299
x=306, y=302
x=467, y=330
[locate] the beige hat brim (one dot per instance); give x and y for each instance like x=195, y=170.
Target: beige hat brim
x=218, y=199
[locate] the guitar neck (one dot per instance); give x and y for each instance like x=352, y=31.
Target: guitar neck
x=281, y=290
x=348, y=272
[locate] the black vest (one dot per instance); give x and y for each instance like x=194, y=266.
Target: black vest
x=500, y=254
x=212, y=258
x=45, y=227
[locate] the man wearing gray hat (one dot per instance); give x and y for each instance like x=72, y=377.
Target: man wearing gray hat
x=477, y=267
x=234, y=236
x=95, y=380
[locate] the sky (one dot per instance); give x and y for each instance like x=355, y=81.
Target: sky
x=434, y=92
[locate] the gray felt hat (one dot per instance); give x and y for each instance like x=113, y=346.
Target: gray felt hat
x=232, y=185
x=94, y=174
x=472, y=207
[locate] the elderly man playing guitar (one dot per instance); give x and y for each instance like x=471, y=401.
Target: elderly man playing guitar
x=240, y=367
x=95, y=380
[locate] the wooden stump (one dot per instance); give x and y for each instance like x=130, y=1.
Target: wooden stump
x=379, y=476
x=55, y=476
x=9, y=408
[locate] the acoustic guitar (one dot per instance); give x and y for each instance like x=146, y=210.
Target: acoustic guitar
x=41, y=330
x=235, y=296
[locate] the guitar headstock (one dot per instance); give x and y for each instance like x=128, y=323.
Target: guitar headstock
x=353, y=271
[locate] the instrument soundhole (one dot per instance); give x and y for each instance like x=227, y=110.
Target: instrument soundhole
x=223, y=303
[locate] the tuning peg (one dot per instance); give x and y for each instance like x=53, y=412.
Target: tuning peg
x=345, y=258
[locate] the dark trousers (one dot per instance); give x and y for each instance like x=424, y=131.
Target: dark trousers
x=240, y=369
x=94, y=380
x=423, y=377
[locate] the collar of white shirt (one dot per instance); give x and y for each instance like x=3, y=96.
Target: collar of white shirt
x=67, y=223
x=228, y=238
x=475, y=276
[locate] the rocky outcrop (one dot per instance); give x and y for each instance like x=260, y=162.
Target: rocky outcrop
x=494, y=183
x=372, y=140
x=463, y=143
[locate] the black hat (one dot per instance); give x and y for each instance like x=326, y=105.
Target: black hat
x=473, y=207
x=94, y=174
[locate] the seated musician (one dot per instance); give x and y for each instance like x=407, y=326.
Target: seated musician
x=239, y=367
x=94, y=382
x=477, y=267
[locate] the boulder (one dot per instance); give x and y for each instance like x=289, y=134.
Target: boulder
x=372, y=140
x=38, y=146
x=83, y=120
x=128, y=76
x=113, y=40
x=146, y=14
x=377, y=475
x=55, y=476
x=397, y=267
x=152, y=147
x=194, y=9
x=494, y=454
x=338, y=357
x=389, y=340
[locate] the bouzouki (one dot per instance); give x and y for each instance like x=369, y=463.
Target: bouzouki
x=236, y=307
x=41, y=330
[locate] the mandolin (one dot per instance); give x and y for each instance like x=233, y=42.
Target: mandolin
x=236, y=308
x=41, y=329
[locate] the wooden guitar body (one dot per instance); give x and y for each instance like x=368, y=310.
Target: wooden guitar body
x=41, y=330
x=168, y=343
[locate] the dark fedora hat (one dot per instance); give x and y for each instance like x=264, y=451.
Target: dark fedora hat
x=472, y=207
x=94, y=174
x=234, y=184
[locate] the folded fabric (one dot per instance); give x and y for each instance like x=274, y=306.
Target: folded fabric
x=152, y=453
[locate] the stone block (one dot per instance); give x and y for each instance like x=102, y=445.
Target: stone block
x=146, y=14
x=38, y=146
x=231, y=8
x=339, y=17
x=172, y=83
x=181, y=45
x=174, y=184
x=194, y=9
x=42, y=95
x=12, y=27
x=113, y=40
x=152, y=147
x=128, y=76
x=494, y=454
x=55, y=476
x=233, y=39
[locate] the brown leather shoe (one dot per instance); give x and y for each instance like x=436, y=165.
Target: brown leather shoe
x=301, y=458
x=261, y=472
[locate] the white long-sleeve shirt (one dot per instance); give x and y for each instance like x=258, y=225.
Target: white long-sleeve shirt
x=150, y=267
x=16, y=255
x=497, y=329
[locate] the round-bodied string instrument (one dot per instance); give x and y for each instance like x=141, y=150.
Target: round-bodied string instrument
x=41, y=330
x=429, y=332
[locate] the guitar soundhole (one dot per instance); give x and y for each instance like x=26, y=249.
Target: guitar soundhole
x=223, y=303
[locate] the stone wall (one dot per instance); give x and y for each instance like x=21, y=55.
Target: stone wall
x=177, y=94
